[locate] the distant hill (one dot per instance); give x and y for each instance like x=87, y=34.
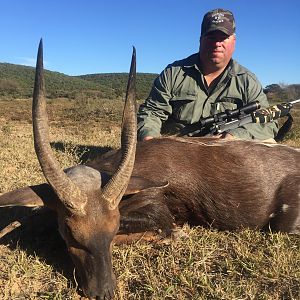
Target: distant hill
x=117, y=82
x=16, y=81
x=282, y=92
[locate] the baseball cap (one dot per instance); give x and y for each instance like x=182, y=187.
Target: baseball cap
x=218, y=19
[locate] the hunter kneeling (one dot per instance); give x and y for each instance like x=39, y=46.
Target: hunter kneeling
x=204, y=84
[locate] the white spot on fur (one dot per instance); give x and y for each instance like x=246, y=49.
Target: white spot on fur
x=285, y=208
x=272, y=216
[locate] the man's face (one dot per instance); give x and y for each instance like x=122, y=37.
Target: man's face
x=216, y=48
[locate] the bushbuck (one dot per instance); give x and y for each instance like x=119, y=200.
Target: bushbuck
x=150, y=188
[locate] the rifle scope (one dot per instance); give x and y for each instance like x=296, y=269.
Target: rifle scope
x=228, y=114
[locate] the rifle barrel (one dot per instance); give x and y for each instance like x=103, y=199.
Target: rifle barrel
x=294, y=101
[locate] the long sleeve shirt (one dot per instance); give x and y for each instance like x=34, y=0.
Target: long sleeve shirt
x=180, y=96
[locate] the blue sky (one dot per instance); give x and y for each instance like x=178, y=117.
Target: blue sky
x=90, y=36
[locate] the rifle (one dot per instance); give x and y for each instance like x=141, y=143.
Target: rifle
x=231, y=119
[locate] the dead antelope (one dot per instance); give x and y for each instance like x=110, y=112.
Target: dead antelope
x=86, y=207
x=223, y=184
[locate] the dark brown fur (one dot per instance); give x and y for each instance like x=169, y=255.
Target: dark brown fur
x=223, y=184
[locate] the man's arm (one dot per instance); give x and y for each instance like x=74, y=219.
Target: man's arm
x=256, y=131
x=156, y=109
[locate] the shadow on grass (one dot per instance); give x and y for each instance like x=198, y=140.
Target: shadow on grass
x=83, y=152
x=38, y=236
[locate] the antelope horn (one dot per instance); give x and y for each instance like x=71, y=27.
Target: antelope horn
x=69, y=194
x=113, y=191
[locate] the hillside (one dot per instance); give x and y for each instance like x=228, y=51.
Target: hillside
x=16, y=81
x=282, y=93
x=117, y=82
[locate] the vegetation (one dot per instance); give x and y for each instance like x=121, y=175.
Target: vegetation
x=117, y=82
x=16, y=82
x=282, y=92
x=207, y=264
x=278, y=93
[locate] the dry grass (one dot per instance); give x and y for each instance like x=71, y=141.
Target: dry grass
x=206, y=265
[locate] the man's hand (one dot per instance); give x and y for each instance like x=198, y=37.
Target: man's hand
x=147, y=138
x=225, y=135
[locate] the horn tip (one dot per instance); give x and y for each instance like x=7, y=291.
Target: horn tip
x=41, y=43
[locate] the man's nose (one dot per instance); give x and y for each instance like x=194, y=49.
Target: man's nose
x=218, y=43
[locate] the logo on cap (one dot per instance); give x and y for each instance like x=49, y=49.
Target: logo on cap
x=217, y=18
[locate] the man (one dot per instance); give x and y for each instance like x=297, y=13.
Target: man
x=203, y=84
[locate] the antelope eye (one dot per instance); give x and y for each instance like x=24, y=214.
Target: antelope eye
x=73, y=239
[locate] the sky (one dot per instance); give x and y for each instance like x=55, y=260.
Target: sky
x=90, y=36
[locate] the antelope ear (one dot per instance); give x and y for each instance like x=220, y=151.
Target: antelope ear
x=138, y=184
x=30, y=196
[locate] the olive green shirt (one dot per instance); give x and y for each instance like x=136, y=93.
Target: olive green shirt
x=180, y=96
